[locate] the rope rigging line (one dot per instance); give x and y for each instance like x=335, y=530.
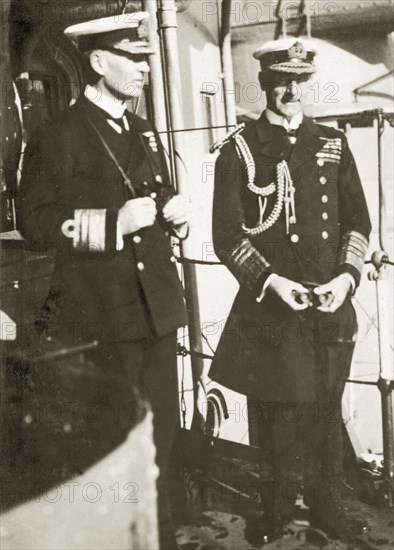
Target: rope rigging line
x=183, y=352
x=206, y=262
x=224, y=127
x=199, y=129
x=198, y=262
x=207, y=342
x=384, y=261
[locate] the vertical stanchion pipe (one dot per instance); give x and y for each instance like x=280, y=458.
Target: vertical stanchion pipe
x=157, y=85
x=382, y=199
x=227, y=65
x=156, y=69
x=386, y=378
x=168, y=26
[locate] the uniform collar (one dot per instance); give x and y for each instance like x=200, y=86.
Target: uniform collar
x=86, y=106
x=264, y=128
x=112, y=106
x=278, y=120
x=141, y=126
x=307, y=144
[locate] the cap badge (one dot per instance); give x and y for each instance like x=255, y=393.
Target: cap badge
x=297, y=51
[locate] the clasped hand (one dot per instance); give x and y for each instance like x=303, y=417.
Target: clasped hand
x=336, y=291
x=175, y=211
x=290, y=292
x=138, y=213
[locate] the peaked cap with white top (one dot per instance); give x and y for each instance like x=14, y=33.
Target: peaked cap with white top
x=127, y=32
x=287, y=55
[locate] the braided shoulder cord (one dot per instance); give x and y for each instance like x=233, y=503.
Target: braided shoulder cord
x=245, y=154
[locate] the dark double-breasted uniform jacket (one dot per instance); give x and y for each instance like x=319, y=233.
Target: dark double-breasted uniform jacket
x=98, y=291
x=265, y=346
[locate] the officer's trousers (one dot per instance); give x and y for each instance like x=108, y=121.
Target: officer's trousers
x=305, y=440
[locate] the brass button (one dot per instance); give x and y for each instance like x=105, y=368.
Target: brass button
x=320, y=162
x=137, y=239
x=324, y=199
x=323, y=180
x=140, y=266
x=294, y=238
x=324, y=235
x=324, y=216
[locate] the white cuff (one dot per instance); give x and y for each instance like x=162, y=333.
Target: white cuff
x=265, y=286
x=351, y=280
x=119, y=237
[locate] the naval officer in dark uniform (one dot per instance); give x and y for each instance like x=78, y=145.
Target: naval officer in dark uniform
x=95, y=187
x=291, y=223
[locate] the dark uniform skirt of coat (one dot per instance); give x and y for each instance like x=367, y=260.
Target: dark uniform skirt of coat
x=266, y=348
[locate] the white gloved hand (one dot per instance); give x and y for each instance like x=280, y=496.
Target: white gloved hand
x=136, y=214
x=337, y=290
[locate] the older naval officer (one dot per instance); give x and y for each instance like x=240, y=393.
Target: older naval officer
x=95, y=187
x=291, y=223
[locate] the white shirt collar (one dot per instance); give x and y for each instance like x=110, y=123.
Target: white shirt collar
x=274, y=118
x=112, y=106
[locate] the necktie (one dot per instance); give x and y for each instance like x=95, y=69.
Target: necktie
x=292, y=132
x=119, y=124
x=287, y=132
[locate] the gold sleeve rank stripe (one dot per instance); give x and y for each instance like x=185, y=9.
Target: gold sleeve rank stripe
x=246, y=263
x=353, y=250
x=87, y=229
